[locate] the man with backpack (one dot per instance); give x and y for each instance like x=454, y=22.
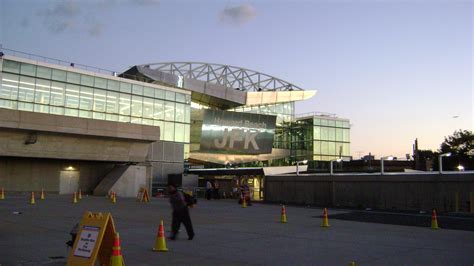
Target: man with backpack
x=179, y=203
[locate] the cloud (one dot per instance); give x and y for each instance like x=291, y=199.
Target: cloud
x=146, y=2
x=238, y=15
x=95, y=29
x=61, y=17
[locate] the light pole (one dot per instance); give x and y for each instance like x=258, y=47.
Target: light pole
x=298, y=164
x=330, y=163
x=388, y=158
x=440, y=161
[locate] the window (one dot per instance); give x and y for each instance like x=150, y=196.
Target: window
x=332, y=148
x=149, y=92
x=179, y=132
x=180, y=98
x=169, y=131
x=73, y=78
x=99, y=116
x=112, y=103
x=137, y=106
x=331, y=123
x=339, y=134
x=9, y=89
x=28, y=69
x=159, y=110
x=42, y=92
x=99, y=101
x=85, y=114
x=324, y=122
x=317, y=147
x=324, y=147
x=124, y=106
x=56, y=110
x=317, y=132
x=186, y=133
x=72, y=97
x=87, y=80
x=137, y=89
x=113, y=85
x=7, y=104
x=100, y=83
x=57, y=93
x=125, y=87
x=170, y=95
x=25, y=106
x=40, y=108
x=169, y=111
x=332, y=134
x=11, y=66
x=324, y=133
x=346, y=136
x=26, y=89
x=43, y=72
x=179, y=112
x=346, y=149
x=148, y=108
x=71, y=112
x=59, y=75
x=160, y=94
x=187, y=114
x=339, y=149
x=110, y=117
x=86, y=100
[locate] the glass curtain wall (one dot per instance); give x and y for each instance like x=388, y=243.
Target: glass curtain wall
x=34, y=88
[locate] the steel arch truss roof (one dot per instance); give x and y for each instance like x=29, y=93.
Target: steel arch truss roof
x=225, y=75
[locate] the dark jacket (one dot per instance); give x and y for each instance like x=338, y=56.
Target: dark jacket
x=177, y=200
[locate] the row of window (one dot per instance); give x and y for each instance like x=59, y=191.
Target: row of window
x=25, y=69
x=331, y=133
x=71, y=96
x=331, y=123
x=331, y=148
x=169, y=131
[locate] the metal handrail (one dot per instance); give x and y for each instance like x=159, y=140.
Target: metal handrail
x=56, y=61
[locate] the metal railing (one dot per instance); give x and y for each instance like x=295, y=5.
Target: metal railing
x=49, y=60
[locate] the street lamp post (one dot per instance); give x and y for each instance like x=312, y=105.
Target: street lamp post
x=440, y=161
x=298, y=164
x=331, y=166
x=388, y=158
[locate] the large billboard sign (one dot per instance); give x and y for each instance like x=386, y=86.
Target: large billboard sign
x=237, y=133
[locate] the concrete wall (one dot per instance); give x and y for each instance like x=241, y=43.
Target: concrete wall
x=400, y=192
x=131, y=181
x=62, y=137
x=25, y=174
x=165, y=158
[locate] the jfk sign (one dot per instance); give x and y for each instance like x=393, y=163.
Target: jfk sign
x=237, y=133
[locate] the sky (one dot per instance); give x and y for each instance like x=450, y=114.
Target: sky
x=399, y=70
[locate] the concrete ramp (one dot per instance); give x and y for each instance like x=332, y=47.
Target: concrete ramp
x=110, y=179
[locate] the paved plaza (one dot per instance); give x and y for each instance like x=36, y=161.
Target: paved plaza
x=226, y=234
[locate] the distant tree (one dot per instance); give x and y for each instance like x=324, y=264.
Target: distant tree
x=461, y=146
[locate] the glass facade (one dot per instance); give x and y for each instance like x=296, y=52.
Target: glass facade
x=35, y=88
x=321, y=138
x=283, y=111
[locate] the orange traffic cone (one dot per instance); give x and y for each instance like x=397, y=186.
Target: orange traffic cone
x=114, y=197
x=111, y=194
x=2, y=194
x=32, y=201
x=283, y=214
x=325, y=218
x=116, y=258
x=42, y=195
x=352, y=263
x=79, y=195
x=74, y=198
x=434, y=220
x=160, y=243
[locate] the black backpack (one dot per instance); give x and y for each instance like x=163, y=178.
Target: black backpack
x=190, y=200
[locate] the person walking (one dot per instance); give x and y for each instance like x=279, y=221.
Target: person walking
x=180, y=213
x=208, y=190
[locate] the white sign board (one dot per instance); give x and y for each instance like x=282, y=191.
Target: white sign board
x=86, y=243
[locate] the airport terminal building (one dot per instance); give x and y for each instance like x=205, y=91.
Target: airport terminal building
x=66, y=126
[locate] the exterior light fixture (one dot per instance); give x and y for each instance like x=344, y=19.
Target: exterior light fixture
x=298, y=164
x=440, y=161
x=70, y=168
x=387, y=158
x=331, y=165
x=460, y=168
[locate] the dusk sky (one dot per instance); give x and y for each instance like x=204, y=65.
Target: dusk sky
x=399, y=70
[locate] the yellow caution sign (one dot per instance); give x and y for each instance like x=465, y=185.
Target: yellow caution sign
x=143, y=195
x=94, y=240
